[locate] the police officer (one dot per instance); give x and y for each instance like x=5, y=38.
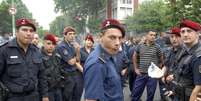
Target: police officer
x=51, y=61
x=69, y=51
x=21, y=66
x=101, y=79
x=192, y=74
x=175, y=53
x=87, y=49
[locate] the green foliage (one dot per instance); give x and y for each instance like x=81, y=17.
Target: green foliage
x=6, y=19
x=184, y=9
x=5, y=23
x=160, y=15
x=80, y=8
x=151, y=15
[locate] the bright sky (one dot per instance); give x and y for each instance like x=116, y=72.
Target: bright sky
x=42, y=10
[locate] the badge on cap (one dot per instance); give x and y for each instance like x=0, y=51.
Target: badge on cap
x=65, y=52
x=199, y=68
x=108, y=23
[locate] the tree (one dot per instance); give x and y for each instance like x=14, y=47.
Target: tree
x=6, y=19
x=184, y=9
x=79, y=10
x=151, y=15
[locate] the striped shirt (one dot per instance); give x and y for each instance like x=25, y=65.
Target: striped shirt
x=147, y=54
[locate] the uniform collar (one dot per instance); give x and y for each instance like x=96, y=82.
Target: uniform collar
x=68, y=43
x=13, y=43
x=104, y=54
x=193, y=49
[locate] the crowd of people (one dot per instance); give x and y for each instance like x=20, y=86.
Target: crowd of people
x=64, y=70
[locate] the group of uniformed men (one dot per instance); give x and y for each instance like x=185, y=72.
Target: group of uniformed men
x=61, y=71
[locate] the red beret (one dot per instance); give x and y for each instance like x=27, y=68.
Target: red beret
x=68, y=29
x=112, y=23
x=50, y=37
x=175, y=30
x=89, y=37
x=188, y=23
x=25, y=22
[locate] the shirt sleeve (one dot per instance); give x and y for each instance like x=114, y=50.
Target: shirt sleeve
x=197, y=71
x=93, y=82
x=65, y=54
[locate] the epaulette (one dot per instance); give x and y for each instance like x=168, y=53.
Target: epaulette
x=3, y=44
x=101, y=58
x=58, y=55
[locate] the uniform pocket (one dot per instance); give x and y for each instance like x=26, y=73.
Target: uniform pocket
x=14, y=67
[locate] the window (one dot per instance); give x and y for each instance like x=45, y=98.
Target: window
x=114, y=13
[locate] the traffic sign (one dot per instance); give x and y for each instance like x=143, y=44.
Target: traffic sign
x=12, y=10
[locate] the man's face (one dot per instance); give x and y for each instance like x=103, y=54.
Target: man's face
x=35, y=39
x=151, y=36
x=88, y=43
x=175, y=40
x=111, y=40
x=188, y=35
x=70, y=36
x=25, y=35
x=48, y=46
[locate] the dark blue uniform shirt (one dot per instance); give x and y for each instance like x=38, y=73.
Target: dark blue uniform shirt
x=22, y=72
x=67, y=52
x=196, y=63
x=84, y=54
x=101, y=80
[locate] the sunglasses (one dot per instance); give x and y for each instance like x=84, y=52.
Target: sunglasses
x=187, y=31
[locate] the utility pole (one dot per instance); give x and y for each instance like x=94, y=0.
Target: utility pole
x=13, y=11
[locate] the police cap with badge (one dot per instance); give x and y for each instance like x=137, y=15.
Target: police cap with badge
x=25, y=22
x=190, y=24
x=175, y=30
x=112, y=23
x=51, y=38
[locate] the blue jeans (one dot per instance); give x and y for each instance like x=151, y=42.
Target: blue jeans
x=140, y=83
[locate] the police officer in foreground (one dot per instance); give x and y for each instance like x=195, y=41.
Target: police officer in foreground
x=21, y=66
x=192, y=76
x=69, y=51
x=51, y=61
x=102, y=81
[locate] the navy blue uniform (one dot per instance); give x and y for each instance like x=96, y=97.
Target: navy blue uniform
x=84, y=54
x=188, y=73
x=102, y=81
x=73, y=86
x=22, y=73
x=54, y=75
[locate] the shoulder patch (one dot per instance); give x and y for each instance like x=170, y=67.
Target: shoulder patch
x=65, y=52
x=101, y=59
x=58, y=55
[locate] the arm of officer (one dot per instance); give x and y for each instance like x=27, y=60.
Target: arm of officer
x=79, y=66
x=94, y=90
x=195, y=92
x=77, y=50
x=42, y=84
x=196, y=66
